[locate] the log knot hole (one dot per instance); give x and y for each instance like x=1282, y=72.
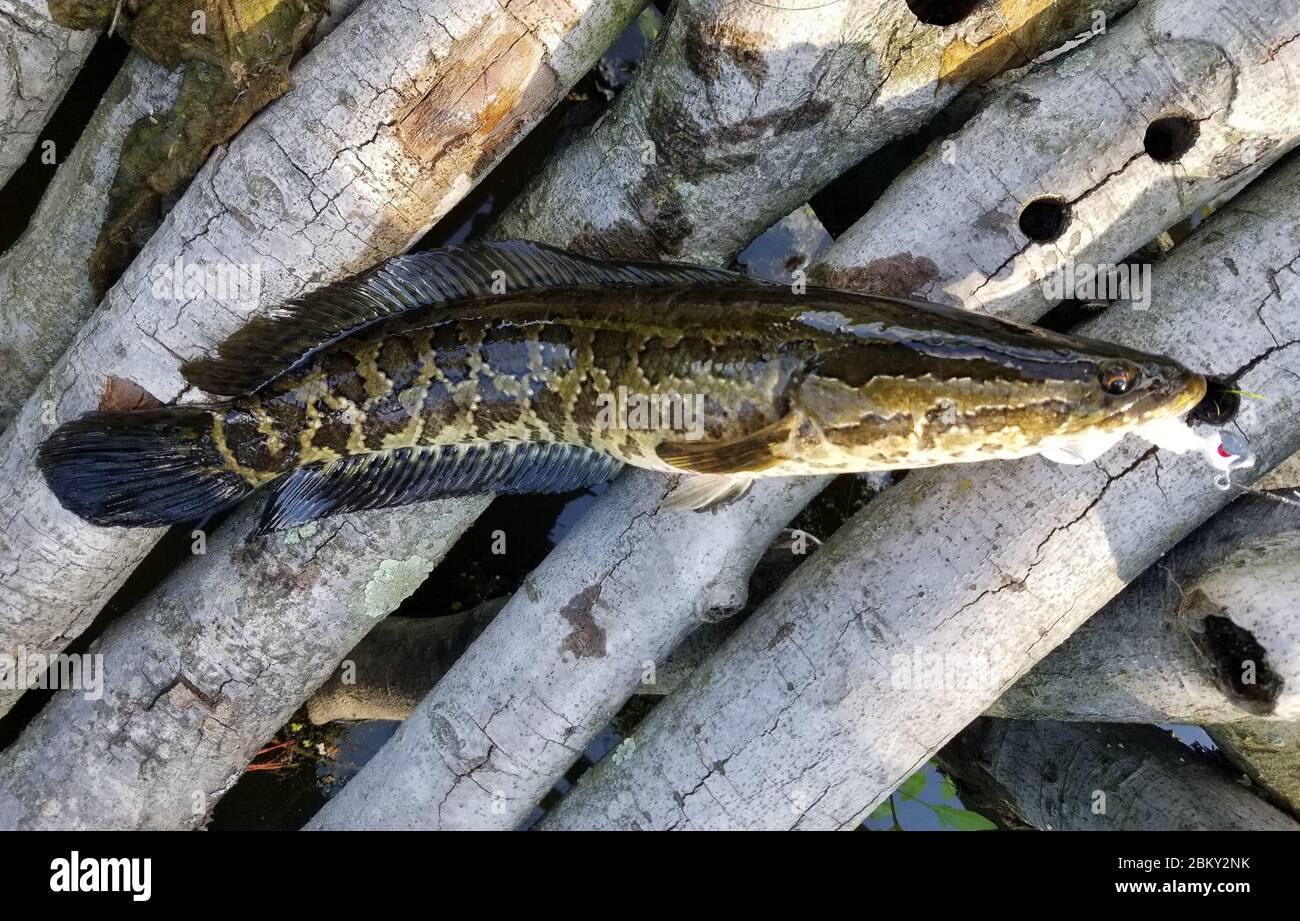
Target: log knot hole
x=942, y=12
x=1236, y=660
x=1170, y=137
x=1044, y=219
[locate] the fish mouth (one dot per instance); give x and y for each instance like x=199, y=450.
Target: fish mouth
x=1177, y=397
x=1186, y=394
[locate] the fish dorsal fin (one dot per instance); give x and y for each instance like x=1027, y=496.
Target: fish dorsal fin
x=748, y=454
x=272, y=343
x=405, y=475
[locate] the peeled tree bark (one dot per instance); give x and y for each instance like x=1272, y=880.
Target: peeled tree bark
x=40, y=60
x=1081, y=137
x=1081, y=777
x=825, y=700
x=552, y=669
x=206, y=668
x=398, y=114
x=1207, y=635
x=739, y=97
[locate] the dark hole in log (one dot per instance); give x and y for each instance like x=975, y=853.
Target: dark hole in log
x=1169, y=137
x=1220, y=404
x=942, y=12
x=1044, y=219
x=1231, y=651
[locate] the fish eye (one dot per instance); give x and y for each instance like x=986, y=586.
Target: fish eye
x=1117, y=378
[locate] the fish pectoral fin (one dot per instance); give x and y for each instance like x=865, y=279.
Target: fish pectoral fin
x=272, y=343
x=405, y=475
x=704, y=492
x=1082, y=450
x=748, y=454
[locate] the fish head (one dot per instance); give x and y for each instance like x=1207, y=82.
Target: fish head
x=939, y=385
x=1126, y=389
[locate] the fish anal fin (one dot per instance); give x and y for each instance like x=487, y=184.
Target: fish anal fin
x=703, y=492
x=407, y=475
x=750, y=453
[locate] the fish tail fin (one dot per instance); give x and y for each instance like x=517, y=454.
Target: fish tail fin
x=142, y=468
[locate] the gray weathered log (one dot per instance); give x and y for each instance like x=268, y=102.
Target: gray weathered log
x=207, y=668
x=401, y=660
x=40, y=60
x=739, y=95
x=45, y=287
x=1074, y=130
x=1150, y=655
x=550, y=671
x=1084, y=777
x=389, y=124
x=820, y=704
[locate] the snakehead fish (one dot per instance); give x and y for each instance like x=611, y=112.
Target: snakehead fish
x=490, y=368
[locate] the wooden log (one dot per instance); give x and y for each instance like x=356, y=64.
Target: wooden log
x=395, y=664
x=42, y=58
x=1080, y=138
x=1207, y=635
x=1081, y=777
x=45, y=288
x=46, y=284
x=205, y=669
x=738, y=96
x=1267, y=753
x=386, y=128
x=403, y=658
x=555, y=665
x=821, y=703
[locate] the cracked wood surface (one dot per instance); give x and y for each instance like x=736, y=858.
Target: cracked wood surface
x=739, y=95
x=1172, y=647
x=555, y=665
x=1073, y=129
x=1080, y=777
x=208, y=667
x=814, y=710
x=400, y=112
x=39, y=59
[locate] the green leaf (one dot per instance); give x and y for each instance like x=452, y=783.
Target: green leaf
x=883, y=811
x=962, y=819
x=948, y=789
x=912, y=787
